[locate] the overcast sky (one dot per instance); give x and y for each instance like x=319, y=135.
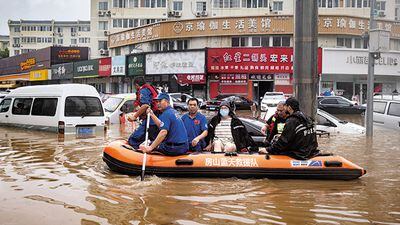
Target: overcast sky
x=42, y=10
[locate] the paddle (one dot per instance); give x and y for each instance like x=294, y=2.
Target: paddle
x=146, y=143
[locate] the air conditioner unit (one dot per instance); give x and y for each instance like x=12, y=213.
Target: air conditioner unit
x=103, y=52
x=108, y=13
x=381, y=14
x=198, y=14
x=16, y=45
x=177, y=13
x=106, y=33
x=73, y=34
x=101, y=13
x=204, y=13
x=60, y=34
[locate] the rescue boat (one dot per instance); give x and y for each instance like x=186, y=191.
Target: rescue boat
x=122, y=158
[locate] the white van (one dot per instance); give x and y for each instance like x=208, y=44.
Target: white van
x=387, y=113
x=62, y=108
x=115, y=105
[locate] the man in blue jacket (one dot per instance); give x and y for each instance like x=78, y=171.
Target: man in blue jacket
x=196, y=126
x=172, y=139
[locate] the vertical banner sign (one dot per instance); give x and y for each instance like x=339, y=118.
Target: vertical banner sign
x=135, y=65
x=105, y=67
x=118, y=65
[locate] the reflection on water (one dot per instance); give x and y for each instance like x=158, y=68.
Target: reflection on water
x=48, y=180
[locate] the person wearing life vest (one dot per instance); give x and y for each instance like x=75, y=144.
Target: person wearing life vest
x=298, y=139
x=276, y=123
x=145, y=95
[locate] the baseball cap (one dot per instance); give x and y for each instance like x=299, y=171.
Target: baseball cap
x=162, y=95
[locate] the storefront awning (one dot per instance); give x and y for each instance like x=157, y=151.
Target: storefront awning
x=15, y=77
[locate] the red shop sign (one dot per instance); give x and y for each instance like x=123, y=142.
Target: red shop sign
x=253, y=60
x=191, y=79
x=105, y=67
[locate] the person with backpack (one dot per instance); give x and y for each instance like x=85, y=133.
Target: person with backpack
x=145, y=98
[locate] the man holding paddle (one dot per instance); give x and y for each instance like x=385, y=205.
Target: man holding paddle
x=172, y=139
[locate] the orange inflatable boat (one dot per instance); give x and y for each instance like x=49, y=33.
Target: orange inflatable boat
x=122, y=158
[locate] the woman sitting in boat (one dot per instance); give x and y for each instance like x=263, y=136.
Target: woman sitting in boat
x=226, y=133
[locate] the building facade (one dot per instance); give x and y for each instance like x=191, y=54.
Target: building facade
x=4, y=42
x=30, y=35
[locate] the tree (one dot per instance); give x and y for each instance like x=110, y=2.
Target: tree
x=5, y=53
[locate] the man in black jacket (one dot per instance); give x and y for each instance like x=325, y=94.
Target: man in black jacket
x=298, y=139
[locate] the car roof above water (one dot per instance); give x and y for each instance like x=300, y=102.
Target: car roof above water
x=55, y=90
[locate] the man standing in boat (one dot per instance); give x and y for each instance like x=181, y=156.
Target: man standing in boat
x=172, y=139
x=196, y=126
x=145, y=94
x=298, y=139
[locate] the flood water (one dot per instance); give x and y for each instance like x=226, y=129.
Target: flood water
x=48, y=180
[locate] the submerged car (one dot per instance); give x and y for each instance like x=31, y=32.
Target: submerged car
x=239, y=102
x=387, y=113
x=186, y=97
x=271, y=99
x=339, y=105
x=328, y=123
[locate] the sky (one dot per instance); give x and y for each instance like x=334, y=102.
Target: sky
x=42, y=10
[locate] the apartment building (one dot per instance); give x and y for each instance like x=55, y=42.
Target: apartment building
x=30, y=35
x=4, y=42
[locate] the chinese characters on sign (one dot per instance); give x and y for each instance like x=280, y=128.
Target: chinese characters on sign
x=28, y=64
x=231, y=162
x=253, y=60
x=233, y=78
x=69, y=54
x=191, y=79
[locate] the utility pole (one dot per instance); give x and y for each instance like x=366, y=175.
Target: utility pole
x=371, y=67
x=306, y=55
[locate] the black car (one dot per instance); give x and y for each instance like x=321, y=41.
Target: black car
x=339, y=105
x=238, y=102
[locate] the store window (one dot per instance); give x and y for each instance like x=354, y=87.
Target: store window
x=281, y=41
x=177, y=6
x=255, y=4
x=343, y=42
x=277, y=6
x=328, y=3
x=103, y=5
x=240, y=41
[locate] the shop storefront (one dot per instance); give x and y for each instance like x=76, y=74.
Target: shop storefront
x=86, y=72
x=62, y=73
x=104, y=75
x=177, y=71
x=135, y=65
x=17, y=69
x=346, y=71
x=250, y=71
x=118, y=82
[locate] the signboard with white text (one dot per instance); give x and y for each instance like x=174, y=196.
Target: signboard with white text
x=191, y=62
x=345, y=61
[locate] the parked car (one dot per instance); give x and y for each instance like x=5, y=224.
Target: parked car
x=328, y=123
x=117, y=104
x=339, y=105
x=333, y=125
x=387, y=113
x=239, y=102
x=63, y=108
x=271, y=99
x=179, y=105
x=178, y=97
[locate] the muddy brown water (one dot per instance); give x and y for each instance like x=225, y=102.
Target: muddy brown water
x=48, y=180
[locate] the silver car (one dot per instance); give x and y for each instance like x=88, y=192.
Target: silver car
x=387, y=113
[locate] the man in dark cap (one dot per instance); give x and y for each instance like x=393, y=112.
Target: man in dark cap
x=172, y=139
x=298, y=139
